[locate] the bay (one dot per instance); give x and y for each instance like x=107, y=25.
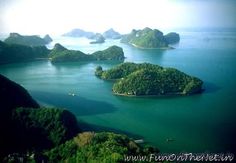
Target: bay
x=198, y=123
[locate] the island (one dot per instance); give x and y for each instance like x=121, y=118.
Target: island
x=31, y=133
x=79, y=33
x=61, y=54
x=172, y=38
x=12, y=53
x=111, y=34
x=147, y=39
x=32, y=40
x=98, y=39
x=146, y=79
x=47, y=39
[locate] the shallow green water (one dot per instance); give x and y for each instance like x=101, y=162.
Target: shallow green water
x=198, y=123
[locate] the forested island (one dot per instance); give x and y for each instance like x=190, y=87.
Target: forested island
x=33, y=40
x=34, y=134
x=10, y=53
x=149, y=80
x=13, y=53
x=61, y=54
x=150, y=39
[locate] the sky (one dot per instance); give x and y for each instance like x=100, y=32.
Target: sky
x=60, y=16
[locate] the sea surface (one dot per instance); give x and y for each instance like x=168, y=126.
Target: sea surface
x=198, y=123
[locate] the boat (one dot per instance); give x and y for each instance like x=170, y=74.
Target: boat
x=71, y=94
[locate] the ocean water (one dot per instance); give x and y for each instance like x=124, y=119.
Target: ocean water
x=198, y=123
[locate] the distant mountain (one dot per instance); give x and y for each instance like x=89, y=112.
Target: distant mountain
x=61, y=54
x=98, y=39
x=148, y=38
x=111, y=34
x=80, y=33
x=10, y=53
x=32, y=40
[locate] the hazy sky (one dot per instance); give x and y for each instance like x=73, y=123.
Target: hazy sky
x=60, y=16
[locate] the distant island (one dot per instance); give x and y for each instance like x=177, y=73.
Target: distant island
x=33, y=40
x=149, y=80
x=111, y=34
x=31, y=133
x=98, y=39
x=150, y=39
x=13, y=53
x=10, y=53
x=47, y=38
x=61, y=54
x=80, y=33
x=172, y=38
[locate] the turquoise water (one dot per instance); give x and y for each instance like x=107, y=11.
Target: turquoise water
x=198, y=123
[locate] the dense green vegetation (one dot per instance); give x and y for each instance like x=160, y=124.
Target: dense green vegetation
x=172, y=38
x=111, y=34
x=43, y=128
x=38, y=130
x=30, y=128
x=97, y=147
x=61, y=54
x=149, y=38
x=146, y=38
x=49, y=134
x=20, y=53
x=12, y=95
x=147, y=79
x=123, y=70
x=112, y=53
x=33, y=40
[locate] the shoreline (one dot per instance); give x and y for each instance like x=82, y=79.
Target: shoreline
x=160, y=48
x=164, y=95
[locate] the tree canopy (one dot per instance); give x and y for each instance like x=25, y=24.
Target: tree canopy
x=148, y=79
x=32, y=40
x=150, y=38
x=61, y=54
x=11, y=53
